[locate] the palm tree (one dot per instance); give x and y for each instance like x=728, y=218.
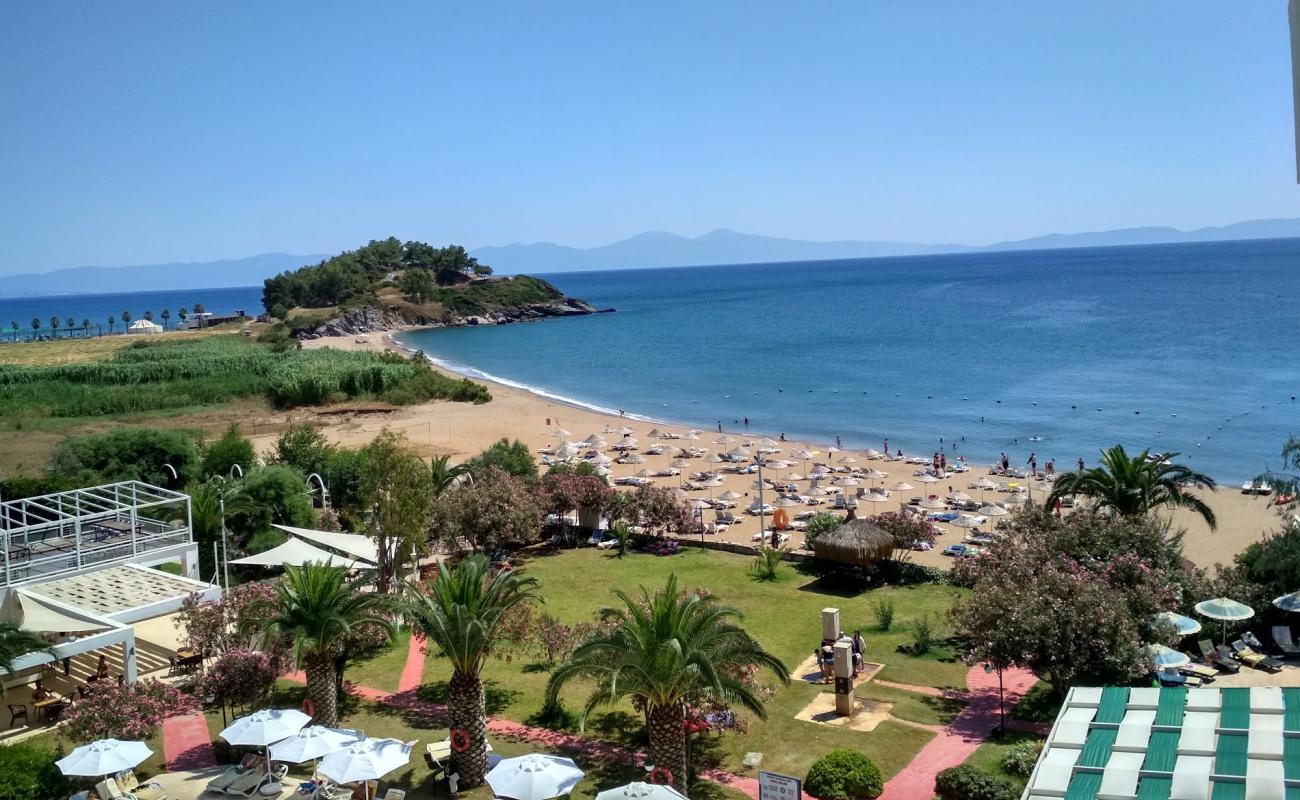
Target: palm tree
x=111, y=320
x=445, y=474
x=666, y=650
x=206, y=520
x=461, y=611
x=166, y=315
x=14, y=643
x=14, y=324
x=148, y=315
x=85, y=327
x=36, y=325
x=54, y=326
x=1133, y=486
x=316, y=610
x=126, y=317
x=198, y=312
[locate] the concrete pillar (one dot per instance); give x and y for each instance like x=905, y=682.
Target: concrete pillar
x=190, y=563
x=843, y=678
x=128, y=656
x=830, y=624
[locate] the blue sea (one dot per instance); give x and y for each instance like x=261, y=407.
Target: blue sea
x=99, y=307
x=1188, y=348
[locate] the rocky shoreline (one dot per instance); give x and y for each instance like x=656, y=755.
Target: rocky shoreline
x=369, y=319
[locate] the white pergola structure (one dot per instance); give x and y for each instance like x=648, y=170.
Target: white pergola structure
x=77, y=566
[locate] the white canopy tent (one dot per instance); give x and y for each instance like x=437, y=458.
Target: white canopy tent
x=296, y=551
x=32, y=614
x=355, y=545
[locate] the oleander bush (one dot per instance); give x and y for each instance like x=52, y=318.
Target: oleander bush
x=965, y=782
x=1021, y=757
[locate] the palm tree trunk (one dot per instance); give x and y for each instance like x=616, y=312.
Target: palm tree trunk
x=668, y=742
x=321, y=688
x=466, y=710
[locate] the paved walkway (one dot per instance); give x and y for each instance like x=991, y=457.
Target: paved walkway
x=413, y=669
x=962, y=736
x=187, y=744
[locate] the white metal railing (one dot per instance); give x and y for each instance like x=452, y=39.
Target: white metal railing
x=84, y=551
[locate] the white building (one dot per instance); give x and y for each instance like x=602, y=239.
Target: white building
x=78, y=567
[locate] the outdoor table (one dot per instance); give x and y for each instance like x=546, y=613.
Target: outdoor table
x=110, y=528
x=54, y=701
x=189, y=658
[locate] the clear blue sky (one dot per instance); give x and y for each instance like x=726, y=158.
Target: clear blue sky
x=147, y=132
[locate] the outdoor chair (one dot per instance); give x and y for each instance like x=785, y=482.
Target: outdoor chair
x=1282, y=638
x=1206, y=674
x=17, y=711
x=1255, y=658
x=246, y=785
x=1172, y=677
x=395, y=794
x=1226, y=654
x=596, y=538
x=109, y=790
x=143, y=791
x=1216, y=659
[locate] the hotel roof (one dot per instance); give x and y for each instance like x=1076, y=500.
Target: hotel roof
x=1172, y=744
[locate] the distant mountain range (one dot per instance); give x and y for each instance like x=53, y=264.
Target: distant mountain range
x=657, y=249
x=249, y=271
x=653, y=249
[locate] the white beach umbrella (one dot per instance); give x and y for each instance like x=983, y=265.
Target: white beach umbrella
x=766, y=442
x=1162, y=657
x=1226, y=610
x=777, y=464
x=875, y=496
x=679, y=463
x=926, y=477
x=786, y=502
x=730, y=494
x=1288, y=602
x=694, y=434
x=903, y=486
x=642, y=791
x=367, y=760
x=602, y=460
x=680, y=495
x=312, y=742
x=535, y=776
x=103, y=757
x=832, y=450
x=1183, y=626
x=265, y=727
x=568, y=450
x=1015, y=499
x=819, y=472
x=714, y=481
x=655, y=433
x=596, y=440
x=724, y=439
x=993, y=510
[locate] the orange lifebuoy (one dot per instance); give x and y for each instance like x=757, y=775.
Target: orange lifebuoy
x=460, y=741
x=662, y=776
x=780, y=519
x=308, y=707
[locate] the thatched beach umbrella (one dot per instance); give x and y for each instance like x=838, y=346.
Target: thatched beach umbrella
x=724, y=439
x=903, y=486
x=730, y=494
x=926, y=477
x=993, y=510
x=856, y=542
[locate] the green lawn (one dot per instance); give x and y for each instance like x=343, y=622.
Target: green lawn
x=384, y=669
x=911, y=706
x=784, y=615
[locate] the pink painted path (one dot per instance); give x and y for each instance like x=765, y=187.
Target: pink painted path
x=413, y=669
x=962, y=736
x=186, y=743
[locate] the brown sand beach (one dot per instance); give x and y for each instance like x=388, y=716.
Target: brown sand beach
x=463, y=430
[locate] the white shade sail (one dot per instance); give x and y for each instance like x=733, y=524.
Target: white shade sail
x=297, y=552
x=31, y=614
x=355, y=545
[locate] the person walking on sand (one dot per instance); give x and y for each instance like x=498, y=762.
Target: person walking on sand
x=1081, y=463
x=838, y=444
x=1051, y=467
x=886, y=448
x=1033, y=463
x=719, y=426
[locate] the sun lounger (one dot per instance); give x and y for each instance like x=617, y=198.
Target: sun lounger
x=607, y=544
x=1206, y=674
x=1282, y=638
x=440, y=752
x=596, y=538
x=246, y=785
x=1221, y=659
x=1172, y=677
x=725, y=518
x=1255, y=658
x=108, y=789
x=143, y=791
x=219, y=783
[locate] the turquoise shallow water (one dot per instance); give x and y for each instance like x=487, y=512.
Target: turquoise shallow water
x=1191, y=348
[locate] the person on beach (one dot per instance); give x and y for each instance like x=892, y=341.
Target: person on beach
x=943, y=462
x=746, y=422
x=1081, y=463
x=783, y=437
x=1051, y=467
x=886, y=447
x=838, y=443
x=719, y=426
x=1033, y=463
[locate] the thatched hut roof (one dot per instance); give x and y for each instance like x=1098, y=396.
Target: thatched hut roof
x=856, y=542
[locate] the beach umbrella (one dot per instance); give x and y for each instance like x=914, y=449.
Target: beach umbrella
x=984, y=483
x=766, y=442
x=103, y=757
x=695, y=434
x=846, y=482
x=819, y=472
x=569, y=450
x=1015, y=499
x=634, y=458
x=642, y=791
x=872, y=453
x=993, y=510
x=933, y=503
x=724, y=439
x=793, y=477
x=926, y=477
x=873, y=474
x=1183, y=626
x=645, y=473
x=848, y=460
x=313, y=742
x=1288, y=602
x=730, y=494
x=714, y=481
x=655, y=433
x=805, y=454
x=560, y=433
x=875, y=496
x=832, y=450
x=1225, y=610
x=959, y=497
x=624, y=431
x=903, y=486
x=786, y=502
x=738, y=452
x=367, y=760
x=596, y=440
x=265, y=727
x=602, y=460
x=969, y=521
x=1166, y=658
x=535, y=776
x=680, y=463
x=777, y=464
x=680, y=495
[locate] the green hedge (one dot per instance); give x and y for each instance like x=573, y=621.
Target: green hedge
x=968, y=783
x=844, y=775
x=30, y=774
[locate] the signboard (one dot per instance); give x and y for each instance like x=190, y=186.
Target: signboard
x=774, y=786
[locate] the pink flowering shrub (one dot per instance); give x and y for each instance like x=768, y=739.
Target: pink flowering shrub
x=241, y=676
x=231, y=622
x=909, y=532
x=132, y=711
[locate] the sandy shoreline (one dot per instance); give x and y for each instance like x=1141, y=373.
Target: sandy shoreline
x=461, y=430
